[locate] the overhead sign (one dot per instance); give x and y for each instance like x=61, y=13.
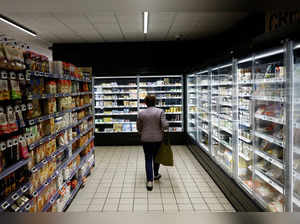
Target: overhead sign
x=278, y=19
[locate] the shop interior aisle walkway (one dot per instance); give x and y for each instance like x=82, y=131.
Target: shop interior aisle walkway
x=117, y=184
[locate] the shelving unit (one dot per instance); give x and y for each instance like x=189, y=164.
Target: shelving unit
x=167, y=89
x=52, y=129
x=254, y=103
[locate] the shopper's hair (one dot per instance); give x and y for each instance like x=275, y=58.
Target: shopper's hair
x=150, y=101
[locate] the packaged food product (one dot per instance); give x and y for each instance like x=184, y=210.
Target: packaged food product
x=50, y=106
x=48, y=126
x=4, y=128
x=15, y=89
x=23, y=148
x=51, y=87
x=11, y=119
x=4, y=90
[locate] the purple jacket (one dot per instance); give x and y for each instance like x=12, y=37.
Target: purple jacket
x=151, y=123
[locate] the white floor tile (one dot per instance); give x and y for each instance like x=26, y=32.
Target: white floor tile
x=118, y=185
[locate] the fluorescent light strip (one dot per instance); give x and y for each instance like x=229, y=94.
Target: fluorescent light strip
x=145, y=22
x=202, y=72
x=297, y=46
x=17, y=26
x=271, y=53
x=223, y=66
x=245, y=60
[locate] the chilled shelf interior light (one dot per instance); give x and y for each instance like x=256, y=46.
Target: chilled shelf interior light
x=245, y=60
x=3, y=19
x=223, y=66
x=271, y=53
x=297, y=46
x=145, y=22
x=202, y=72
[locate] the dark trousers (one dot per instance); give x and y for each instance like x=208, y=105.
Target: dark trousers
x=150, y=150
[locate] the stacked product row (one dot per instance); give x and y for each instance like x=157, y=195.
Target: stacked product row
x=237, y=113
x=118, y=102
x=46, y=131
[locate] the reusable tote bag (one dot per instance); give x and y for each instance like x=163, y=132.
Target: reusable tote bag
x=165, y=154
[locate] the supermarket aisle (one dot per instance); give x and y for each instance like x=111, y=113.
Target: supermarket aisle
x=118, y=185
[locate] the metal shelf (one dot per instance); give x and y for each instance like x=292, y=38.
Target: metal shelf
x=120, y=86
x=116, y=122
x=270, y=80
x=269, y=98
x=48, y=96
x=244, y=157
x=268, y=180
x=55, y=115
x=202, y=129
x=269, y=139
x=124, y=99
x=100, y=107
x=270, y=159
x=204, y=146
x=159, y=86
x=269, y=118
x=245, y=139
x=13, y=168
x=14, y=196
x=56, y=76
x=103, y=114
x=52, y=136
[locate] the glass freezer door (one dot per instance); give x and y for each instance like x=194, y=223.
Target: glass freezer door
x=203, y=91
x=269, y=129
x=191, y=106
x=244, y=148
x=296, y=130
x=222, y=121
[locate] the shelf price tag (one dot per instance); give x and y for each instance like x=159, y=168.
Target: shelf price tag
x=24, y=189
x=5, y=205
x=15, y=196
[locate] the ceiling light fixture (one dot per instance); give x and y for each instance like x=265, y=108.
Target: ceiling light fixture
x=146, y=22
x=16, y=25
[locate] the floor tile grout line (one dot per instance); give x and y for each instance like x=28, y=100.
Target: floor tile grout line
x=184, y=188
x=136, y=171
x=102, y=210
x=97, y=187
x=198, y=188
x=190, y=154
x=123, y=182
x=173, y=189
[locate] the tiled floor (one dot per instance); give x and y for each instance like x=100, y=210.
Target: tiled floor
x=118, y=185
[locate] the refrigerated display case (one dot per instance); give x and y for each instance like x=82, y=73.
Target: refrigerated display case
x=254, y=110
x=191, y=106
x=118, y=100
x=269, y=129
x=116, y=104
x=168, y=91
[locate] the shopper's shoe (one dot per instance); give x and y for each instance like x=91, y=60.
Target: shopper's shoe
x=149, y=185
x=157, y=177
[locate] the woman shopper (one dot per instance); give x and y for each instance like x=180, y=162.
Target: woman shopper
x=151, y=124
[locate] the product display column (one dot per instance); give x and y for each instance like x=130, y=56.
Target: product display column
x=191, y=106
x=168, y=90
x=203, y=88
x=116, y=104
x=296, y=128
x=46, y=132
x=245, y=115
x=269, y=129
